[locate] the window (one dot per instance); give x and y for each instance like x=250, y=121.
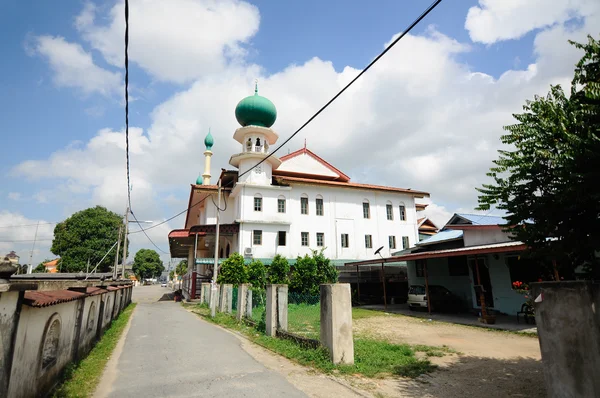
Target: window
x=389, y=211
x=368, y=241
x=420, y=268
x=457, y=266
x=320, y=239
x=319, y=203
x=345, y=240
x=304, y=238
x=257, y=237
x=281, y=205
x=281, y=238
x=51, y=340
x=366, y=210
x=257, y=203
x=405, y=242
x=304, y=205
x=392, y=242
x=402, y=213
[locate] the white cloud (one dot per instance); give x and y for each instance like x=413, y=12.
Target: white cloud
x=14, y=195
x=18, y=232
x=178, y=40
x=73, y=67
x=497, y=20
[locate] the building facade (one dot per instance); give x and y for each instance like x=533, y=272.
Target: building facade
x=289, y=205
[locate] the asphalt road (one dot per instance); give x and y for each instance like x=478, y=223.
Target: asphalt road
x=170, y=352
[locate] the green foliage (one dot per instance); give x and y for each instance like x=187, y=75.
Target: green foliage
x=40, y=269
x=233, y=270
x=548, y=181
x=171, y=275
x=147, y=264
x=257, y=274
x=87, y=234
x=279, y=270
x=182, y=267
x=311, y=271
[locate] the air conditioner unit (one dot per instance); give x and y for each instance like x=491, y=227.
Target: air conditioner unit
x=248, y=252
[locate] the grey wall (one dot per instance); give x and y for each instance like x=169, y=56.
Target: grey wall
x=568, y=322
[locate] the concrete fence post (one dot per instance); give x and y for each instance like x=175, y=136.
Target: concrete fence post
x=248, y=308
x=225, y=302
x=282, y=307
x=336, y=322
x=241, y=301
x=271, y=311
x=205, y=293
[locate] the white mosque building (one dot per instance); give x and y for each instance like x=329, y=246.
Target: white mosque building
x=289, y=205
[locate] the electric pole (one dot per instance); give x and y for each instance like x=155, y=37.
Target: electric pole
x=125, y=243
x=116, y=266
x=214, y=288
x=30, y=267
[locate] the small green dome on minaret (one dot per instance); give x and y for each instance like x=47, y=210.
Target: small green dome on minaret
x=209, y=141
x=256, y=110
x=199, y=180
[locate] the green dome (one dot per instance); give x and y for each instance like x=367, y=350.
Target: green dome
x=199, y=180
x=255, y=111
x=209, y=141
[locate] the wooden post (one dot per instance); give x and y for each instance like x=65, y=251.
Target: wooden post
x=481, y=294
x=556, y=276
x=427, y=287
x=384, y=290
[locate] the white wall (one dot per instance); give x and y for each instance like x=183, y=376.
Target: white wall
x=475, y=237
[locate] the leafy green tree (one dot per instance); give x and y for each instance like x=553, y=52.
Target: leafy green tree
x=279, y=270
x=547, y=182
x=182, y=267
x=41, y=268
x=257, y=274
x=233, y=270
x=147, y=264
x=312, y=271
x=172, y=275
x=87, y=234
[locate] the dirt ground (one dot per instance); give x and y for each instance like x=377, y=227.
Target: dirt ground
x=489, y=363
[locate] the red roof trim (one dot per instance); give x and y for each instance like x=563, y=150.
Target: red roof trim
x=353, y=185
x=343, y=177
x=179, y=233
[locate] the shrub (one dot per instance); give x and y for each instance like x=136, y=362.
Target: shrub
x=279, y=270
x=257, y=274
x=233, y=270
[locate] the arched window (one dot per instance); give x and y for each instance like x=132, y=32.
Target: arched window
x=249, y=145
x=257, y=142
x=258, y=202
x=281, y=204
x=319, y=205
x=366, y=209
x=91, y=322
x=389, y=210
x=402, y=212
x=50, y=341
x=304, y=204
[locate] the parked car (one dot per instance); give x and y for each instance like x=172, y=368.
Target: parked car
x=164, y=284
x=441, y=299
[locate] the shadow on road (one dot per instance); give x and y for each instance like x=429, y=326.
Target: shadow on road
x=166, y=297
x=470, y=376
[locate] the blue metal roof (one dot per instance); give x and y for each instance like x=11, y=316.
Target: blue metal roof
x=478, y=219
x=442, y=236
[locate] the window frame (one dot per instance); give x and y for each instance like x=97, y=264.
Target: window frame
x=405, y=242
x=254, y=235
x=302, y=236
x=304, y=205
x=392, y=241
x=345, y=238
x=279, y=207
x=368, y=241
x=260, y=203
x=389, y=211
x=368, y=210
x=279, y=234
x=402, y=210
x=320, y=235
x=318, y=207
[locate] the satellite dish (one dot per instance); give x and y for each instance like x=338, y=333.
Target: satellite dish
x=378, y=250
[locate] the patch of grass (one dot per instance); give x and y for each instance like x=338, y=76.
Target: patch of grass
x=372, y=358
x=305, y=319
x=431, y=351
x=81, y=379
x=361, y=313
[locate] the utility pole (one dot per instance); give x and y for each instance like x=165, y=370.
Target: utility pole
x=116, y=266
x=30, y=267
x=125, y=242
x=214, y=287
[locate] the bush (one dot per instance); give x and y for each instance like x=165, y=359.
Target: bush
x=279, y=271
x=257, y=274
x=311, y=271
x=233, y=270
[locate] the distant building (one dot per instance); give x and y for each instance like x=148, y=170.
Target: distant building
x=51, y=266
x=12, y=256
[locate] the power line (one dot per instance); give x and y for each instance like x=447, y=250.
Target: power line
x=27, y=225
x=26, y=240
x=406, y=31
x=388, y=48
x=151, y=241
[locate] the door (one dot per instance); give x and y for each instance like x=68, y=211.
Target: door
x=484, y=278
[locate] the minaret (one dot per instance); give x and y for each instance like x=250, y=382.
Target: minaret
x=208, y=142
x=256, y=115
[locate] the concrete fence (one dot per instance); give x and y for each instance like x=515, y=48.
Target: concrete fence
x=41, y=332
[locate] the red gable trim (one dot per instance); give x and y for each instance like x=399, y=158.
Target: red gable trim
x=309, y=181
x=342, y=176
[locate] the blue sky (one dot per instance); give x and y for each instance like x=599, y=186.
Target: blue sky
x=458, y=75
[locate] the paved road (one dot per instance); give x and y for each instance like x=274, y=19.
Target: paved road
x=170, y=352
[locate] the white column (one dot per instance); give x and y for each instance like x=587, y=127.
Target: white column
x=206, y=174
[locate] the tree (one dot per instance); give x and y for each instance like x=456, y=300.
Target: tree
x=147, y=264
x=87, y=235
x=171, y=275
x=41, y=268
x=548, y=182
x=312, y=271
x=233, y=270
x=279, y=270
x=182, y=267
x=257, y=274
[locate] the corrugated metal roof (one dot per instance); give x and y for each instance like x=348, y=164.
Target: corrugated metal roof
x=442, y=236
x=51, y=297
x=466, y=251
x=479, y=219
